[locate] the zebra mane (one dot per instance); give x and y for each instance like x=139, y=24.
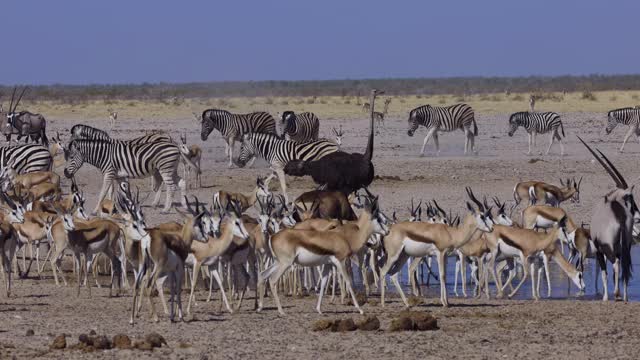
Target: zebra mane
x=623, y=109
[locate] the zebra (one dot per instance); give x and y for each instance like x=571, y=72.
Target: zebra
x=449, y=118
x=234, y=126
x=26, y=158
x=278, y=152
x=124, y=160
x=538, y=123
x=302, y=127
x=627, y=116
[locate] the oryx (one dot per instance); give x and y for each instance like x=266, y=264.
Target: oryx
x=24, y=123
x=614, y=221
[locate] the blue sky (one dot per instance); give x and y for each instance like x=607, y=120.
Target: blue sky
x=131, y=41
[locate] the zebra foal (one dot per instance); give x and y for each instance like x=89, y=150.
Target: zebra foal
x=234, y=126
x=629, y=116
x=538, y=123
x=449, y=118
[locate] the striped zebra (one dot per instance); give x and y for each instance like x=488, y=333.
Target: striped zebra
x=26, y=158
x=278, y=152
x=302, y=127
x=629, y=116
x=125, y=160
x=234, y=126
x=538, y=123
x=449, y=118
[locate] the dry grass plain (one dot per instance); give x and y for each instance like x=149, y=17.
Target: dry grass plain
x=557, y=328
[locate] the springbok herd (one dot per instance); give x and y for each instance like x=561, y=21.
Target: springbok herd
x=244, y=241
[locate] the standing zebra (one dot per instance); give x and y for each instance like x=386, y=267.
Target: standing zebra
x=26, y=158
x=302, y=127
x=278, y=153
x=538, y=123
x=627, y=116
x=234, y=126
x=450, y=118
x=124, y=160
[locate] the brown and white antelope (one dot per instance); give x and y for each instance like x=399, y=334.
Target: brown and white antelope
x=315, y=248
x=419, y=239
x=535, y=191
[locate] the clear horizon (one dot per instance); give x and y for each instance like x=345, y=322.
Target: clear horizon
x=122, y=42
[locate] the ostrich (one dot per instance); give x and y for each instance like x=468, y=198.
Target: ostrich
x=340, y=171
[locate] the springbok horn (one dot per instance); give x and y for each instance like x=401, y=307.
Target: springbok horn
x=474, y=199
x=440, y=210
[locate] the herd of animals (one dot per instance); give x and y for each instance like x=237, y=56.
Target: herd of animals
x=246, y=241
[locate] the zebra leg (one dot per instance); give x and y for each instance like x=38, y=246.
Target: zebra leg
x=437, y=143
x=530, y=142
x=106, y=183
x=157, y=187
x=231, y=143
x=426, y=140
x=627, y=136
x=553, y=135
x=283, y=184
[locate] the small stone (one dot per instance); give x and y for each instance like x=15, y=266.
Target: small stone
x=85, y=339
x=369, y=323
x=155, y=339
x=143, y=345
x=402, y=323
x=30, y=332
x=183, y=345
x=343, y=325
x=122, y=341
x=424, y=322
x=321, y=325
x=373, y=302
x=60, y=342
x=415, y=300
x=92, y=332
x=101, y=342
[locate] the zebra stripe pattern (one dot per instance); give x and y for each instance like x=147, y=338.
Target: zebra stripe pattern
x=629, y=116
x=449, y=118
x=125, y=160
x=279, y=152
x=302, y=127
x=26, y=158
x=234, y=126
x=538, y=122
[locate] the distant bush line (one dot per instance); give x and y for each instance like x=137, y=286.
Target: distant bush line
x=461, y=86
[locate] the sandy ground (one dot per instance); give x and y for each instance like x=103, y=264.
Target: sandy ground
x=469, y=328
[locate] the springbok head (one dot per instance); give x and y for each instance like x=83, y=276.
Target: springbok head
x=338, y=135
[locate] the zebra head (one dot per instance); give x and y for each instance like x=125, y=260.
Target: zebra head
x=247, y=150
x=289, y=122
x=414, y=121
x=207, y=125
x=74, y=158
x=513, y=124
x=612, y=122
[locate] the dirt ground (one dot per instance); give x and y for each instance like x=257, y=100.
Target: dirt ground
x=468, y=329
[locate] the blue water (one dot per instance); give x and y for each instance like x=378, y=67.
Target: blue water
x=561, y=286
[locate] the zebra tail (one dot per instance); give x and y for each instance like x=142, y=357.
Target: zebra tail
x=475, y=127
x=562, y=128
